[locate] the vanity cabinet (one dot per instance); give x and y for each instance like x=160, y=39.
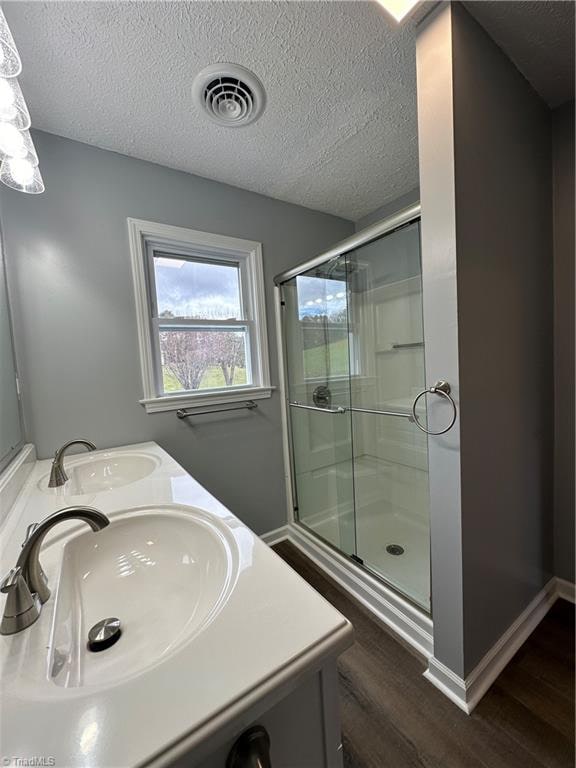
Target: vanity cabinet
x=303, y=727
x=219, y=633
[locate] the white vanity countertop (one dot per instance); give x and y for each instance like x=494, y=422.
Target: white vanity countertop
x=272, y=625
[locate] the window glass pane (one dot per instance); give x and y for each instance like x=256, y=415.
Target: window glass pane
x=203, y=359
x=322, y=312
x=197, y=289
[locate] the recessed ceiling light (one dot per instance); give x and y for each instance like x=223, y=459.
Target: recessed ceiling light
x=398, y=8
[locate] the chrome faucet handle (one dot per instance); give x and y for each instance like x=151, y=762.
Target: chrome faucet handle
x=22, y=608
x=10, y=581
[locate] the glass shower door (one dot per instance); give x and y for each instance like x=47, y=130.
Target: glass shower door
x=390, y=457
x=318, y=383
x=354, y=348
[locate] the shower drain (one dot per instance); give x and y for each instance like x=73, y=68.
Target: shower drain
x=395, y=549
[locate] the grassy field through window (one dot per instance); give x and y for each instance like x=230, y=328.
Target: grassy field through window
x=334, y=355
x=315, y=360
x=212, y=379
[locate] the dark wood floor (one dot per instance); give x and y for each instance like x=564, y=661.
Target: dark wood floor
x=393, y=718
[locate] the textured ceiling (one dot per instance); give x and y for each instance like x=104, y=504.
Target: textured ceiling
x=538, y=37
x=339, y=132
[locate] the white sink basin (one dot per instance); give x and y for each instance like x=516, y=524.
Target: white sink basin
x=164, y=572
x=103, y=472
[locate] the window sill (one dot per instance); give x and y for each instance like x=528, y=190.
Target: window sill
x=174, y=402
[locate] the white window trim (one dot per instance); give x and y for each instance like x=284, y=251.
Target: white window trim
x=143, y=233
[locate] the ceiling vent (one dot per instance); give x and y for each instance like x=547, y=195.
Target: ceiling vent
x=229, y=94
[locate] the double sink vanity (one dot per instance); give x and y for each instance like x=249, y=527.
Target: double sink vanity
x=170, y=634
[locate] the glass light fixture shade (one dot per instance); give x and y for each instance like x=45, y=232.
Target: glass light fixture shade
x=15, y=143
x=10, y=64
x=20, y=173
x=13, y=108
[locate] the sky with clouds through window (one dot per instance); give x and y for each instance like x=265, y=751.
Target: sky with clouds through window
x=200, y=289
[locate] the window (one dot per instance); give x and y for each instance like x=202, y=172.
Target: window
x=323, y=316
x=201, y=316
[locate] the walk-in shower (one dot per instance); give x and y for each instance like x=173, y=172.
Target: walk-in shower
x=353, y=346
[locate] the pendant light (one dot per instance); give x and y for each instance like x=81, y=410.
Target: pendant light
x=13, y=108
x=19, y=169
x=10, y=64
x=21, y=174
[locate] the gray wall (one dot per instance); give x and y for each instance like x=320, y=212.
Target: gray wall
x=389, y=209
x=563, y=167
x=75, y=325
x=496, y=246
x=504, y=275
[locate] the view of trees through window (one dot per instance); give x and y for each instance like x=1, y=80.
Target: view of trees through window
x=202, y=359
x=202, y=356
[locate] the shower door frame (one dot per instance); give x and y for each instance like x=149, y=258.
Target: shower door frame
x=415, y=624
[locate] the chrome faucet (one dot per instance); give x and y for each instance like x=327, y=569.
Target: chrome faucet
x=57, y=474
x=26, y=584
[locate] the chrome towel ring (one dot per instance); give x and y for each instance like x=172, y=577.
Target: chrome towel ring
x=441, y=388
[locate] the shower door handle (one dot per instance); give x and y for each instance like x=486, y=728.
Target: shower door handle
x=350, y=409
x=337, y=409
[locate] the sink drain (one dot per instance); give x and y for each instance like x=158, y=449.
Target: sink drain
x=395, y=549
x=104, y=634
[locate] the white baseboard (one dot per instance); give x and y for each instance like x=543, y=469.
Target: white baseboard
x=467, y=693
x=566, y=590
x=448, y=682
x=404, y=619
x=275, y=536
